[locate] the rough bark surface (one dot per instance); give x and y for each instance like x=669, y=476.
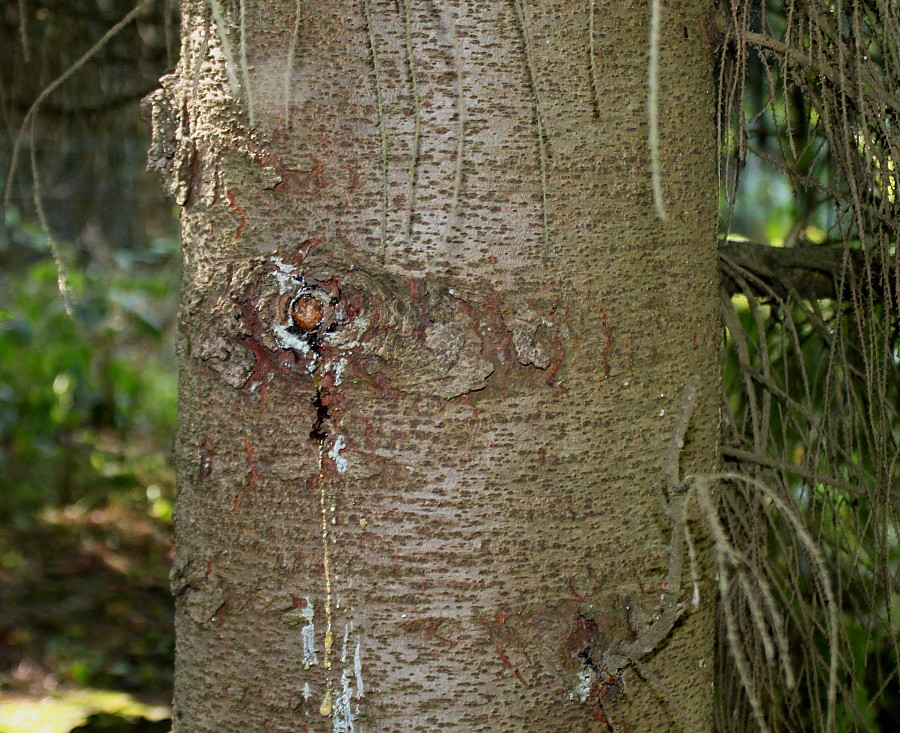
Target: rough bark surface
x=434, y=342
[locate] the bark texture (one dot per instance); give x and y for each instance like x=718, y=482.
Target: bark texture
x=434, y=342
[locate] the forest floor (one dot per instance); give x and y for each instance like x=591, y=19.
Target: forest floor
x=86, y=639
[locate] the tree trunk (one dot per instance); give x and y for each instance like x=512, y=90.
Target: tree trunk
x=434, y=346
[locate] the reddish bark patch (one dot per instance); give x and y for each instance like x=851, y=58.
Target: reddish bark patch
x=232, y=199
x=252, y=466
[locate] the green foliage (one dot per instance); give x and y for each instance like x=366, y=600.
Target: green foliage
x=812, y=383
x=87, y=402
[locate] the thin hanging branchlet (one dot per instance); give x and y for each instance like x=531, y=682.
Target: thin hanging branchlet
x=62, y=276
x=765, y=615
x=653, y=110
x=450, y=24
x=198, y=66
x=592, y=57
x=417, y=120
x=222, y=35
x=539, y=124
x=234, y=85
x=289, y=68
x=136, y=12
x=23, y=31
x=735, y=573
x=245, y=67
x=382, y=130
x=720, y=554
x=29, y=122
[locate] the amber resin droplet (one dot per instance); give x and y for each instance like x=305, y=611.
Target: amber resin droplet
x=307, y=311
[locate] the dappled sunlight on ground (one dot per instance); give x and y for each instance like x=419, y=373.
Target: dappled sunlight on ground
x=80, y=710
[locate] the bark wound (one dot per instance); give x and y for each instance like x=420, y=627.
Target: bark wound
x=197, y=588
x=569, y=642
x=299, y=315
x=533, y=338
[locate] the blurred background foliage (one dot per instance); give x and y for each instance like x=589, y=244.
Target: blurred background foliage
x=810, y=130
x=88, y=398
x=87, y=414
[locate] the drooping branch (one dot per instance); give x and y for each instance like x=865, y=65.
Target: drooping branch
x=811, y=272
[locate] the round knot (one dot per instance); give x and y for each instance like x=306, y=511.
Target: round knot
x=307, y=311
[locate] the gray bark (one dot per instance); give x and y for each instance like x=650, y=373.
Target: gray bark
x=434, y=343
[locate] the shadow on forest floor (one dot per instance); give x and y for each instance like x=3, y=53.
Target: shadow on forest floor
x=86, y=639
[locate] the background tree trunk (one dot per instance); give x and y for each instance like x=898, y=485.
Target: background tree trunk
x=434, y=343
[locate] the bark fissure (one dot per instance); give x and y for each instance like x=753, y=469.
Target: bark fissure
x=319, y=432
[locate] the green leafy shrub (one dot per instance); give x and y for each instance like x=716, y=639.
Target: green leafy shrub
x=87, y=400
